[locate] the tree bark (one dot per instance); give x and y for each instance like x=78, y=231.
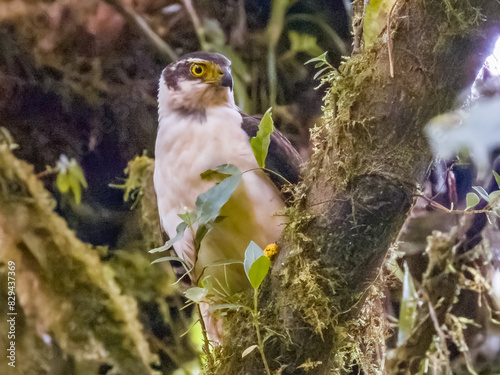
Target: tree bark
x=321, y=303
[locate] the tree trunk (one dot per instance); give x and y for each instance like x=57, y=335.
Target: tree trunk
x=320, y=307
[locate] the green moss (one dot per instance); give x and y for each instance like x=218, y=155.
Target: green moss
x=139, y=187
x=461, y=15
x=62, y=284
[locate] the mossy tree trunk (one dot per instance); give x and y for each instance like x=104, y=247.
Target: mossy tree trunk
x=321, y=301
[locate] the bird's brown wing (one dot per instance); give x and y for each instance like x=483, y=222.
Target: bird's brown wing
x=282, y=158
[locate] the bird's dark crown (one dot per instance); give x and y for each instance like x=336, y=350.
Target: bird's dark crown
x=214, y=57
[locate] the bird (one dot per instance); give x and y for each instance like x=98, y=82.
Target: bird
x=200, y=128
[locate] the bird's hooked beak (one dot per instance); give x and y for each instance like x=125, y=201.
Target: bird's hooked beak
x=219, y=75
x=227, y=80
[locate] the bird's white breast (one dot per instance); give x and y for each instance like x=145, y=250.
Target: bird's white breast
x=186, y=147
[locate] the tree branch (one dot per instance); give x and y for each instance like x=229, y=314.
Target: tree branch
x=321, y=296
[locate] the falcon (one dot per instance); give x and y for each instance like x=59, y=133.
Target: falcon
x=201, y=128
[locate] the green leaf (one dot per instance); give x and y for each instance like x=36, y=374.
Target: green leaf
x=260, y=143
x=201, y=232
x=321, y=59
x=209, y=203
x=497, y=178
x=75, y=170
x=75, y=187
x=62, y=182
x=256, y=264
x=318, y=73
x=471, y=200
x=375, y=20
x=252, y=253
x=494, y=197
x=178, y=236
x=189, y=218
x=258, y=271
x=70, y=177
x=482, y=193
x=408, y=310
x=196, y=294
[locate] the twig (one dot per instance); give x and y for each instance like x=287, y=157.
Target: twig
x=47, y=172
x=357, y=25
x=389, y=39
x=135, y=19
x=198, y=28
x=435, y=322
x=443, y=208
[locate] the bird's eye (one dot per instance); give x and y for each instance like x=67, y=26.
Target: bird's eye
x=197, y=70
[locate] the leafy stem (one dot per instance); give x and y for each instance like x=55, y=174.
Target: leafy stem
x=255, y=316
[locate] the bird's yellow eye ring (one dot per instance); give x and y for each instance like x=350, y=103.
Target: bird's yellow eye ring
x=197, y=70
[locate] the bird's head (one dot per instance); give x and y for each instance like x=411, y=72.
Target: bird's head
x=196, y=82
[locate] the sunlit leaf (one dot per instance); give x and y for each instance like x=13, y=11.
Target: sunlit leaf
x=189, y=218
x=178, y=236
x=248, y=350
x=260, y=143
x=196, y=294
x=408, y=309
x=62, y=182
x=258, y=271
x=321, y=59
x=471, y=200
x=256, y=264
x=252, y=253
x=497, y=178
x=75, y=187
x=482, y=193
x=70, y=177
x=76, y=170
x=375, y=19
